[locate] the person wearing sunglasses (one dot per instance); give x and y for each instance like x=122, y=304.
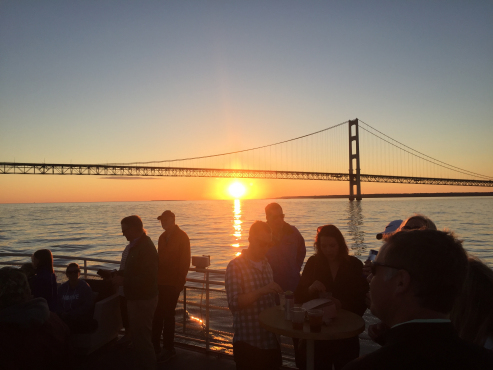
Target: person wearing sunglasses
x=75, y=301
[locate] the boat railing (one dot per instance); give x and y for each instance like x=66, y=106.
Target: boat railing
x=208, y=337
x=211, y=277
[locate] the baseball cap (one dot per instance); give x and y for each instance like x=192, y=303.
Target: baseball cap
x=166, y=213
x=390, y=228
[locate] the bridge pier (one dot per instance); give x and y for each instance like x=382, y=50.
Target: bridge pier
x=354, y=178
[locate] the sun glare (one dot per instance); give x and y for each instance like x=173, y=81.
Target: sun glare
x=236, y=190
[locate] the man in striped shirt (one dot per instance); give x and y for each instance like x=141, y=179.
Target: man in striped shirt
x=251, y=289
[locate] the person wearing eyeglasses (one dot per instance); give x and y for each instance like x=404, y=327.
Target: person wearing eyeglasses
x=332, y=270
x=415, y=280
x=75, y=301
x=288, y=249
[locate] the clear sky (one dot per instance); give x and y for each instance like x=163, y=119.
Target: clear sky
x=125, y=81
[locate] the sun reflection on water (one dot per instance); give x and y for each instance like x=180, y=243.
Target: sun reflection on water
x=237, y=223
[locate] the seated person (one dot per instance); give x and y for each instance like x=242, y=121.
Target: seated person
x=31, y=337
x=43, y=283
x=28, y=269
x=75, y=302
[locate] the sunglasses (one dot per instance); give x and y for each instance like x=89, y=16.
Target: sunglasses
x=374, y=265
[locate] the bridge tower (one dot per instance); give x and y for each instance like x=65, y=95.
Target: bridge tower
x=354, y=178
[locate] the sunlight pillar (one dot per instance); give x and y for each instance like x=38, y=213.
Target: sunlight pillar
x=354, y=178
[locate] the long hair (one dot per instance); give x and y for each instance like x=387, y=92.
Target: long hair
x=425, y=223
x=45, y=259
x=334, y=232
x=472, y=314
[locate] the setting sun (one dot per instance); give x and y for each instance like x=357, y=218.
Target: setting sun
x=236, y=190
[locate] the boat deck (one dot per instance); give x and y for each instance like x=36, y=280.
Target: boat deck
x=122, y=358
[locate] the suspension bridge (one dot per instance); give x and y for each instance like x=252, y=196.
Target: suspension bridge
x=321, y=155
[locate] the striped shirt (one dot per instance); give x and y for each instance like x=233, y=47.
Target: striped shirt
x=244, y=276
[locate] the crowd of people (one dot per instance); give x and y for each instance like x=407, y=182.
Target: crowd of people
x=435, y=301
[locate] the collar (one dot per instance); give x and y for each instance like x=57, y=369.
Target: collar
x=427, y=321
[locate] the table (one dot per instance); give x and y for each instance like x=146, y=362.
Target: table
x=345, y=325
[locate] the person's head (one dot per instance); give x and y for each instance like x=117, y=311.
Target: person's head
x=330, y=243
x=132, y=227
x=417, y=272
x=259, y=238
x=167, y=219
x=28, y=269
x=42, y=259
x=14, y=288
x=472, y=314
x=73, y=272
x=274, y=215
x=417, y=222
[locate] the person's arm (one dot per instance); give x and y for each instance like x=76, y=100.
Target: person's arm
x=146, y=274
x=185, y=256
x=303, y=293
x=237, y=298
x=301, y=252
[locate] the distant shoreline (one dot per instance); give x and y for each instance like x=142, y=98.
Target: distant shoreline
x=393, y=195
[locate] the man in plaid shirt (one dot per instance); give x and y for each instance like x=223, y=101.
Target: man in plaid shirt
x=251, y=289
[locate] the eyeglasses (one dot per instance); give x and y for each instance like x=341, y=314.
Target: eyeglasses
x=374, y=266
x=73, y=271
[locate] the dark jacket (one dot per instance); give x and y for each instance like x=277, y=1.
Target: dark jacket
x=140, y=273
x=43, y=285
x=174, y=257
x=286, y=257
x=425, y=346
x=349, y=287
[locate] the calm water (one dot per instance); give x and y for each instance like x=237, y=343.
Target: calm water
x=220, y=228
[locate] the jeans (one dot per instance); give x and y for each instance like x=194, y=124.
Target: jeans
x=164, y=317
x=140, y=313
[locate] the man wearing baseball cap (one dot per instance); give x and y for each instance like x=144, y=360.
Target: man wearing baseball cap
x=174, y=262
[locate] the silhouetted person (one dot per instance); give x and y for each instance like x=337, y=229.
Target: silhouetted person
x=31, y=337
x=288, y=251
x=174, y=262
x=139, y=280
x=416, y=278
x=250, y=289
x=43, y=284
x=75, y=302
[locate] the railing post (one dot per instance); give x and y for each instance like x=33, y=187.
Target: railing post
x=354, y=179
x=207, y=310
x=85, y=268
x=184, y=308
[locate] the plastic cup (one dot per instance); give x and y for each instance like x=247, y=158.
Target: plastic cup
x=298, y=317
x=282, y=300
x=315, y=318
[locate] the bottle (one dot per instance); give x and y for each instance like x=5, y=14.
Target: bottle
x=289, y=298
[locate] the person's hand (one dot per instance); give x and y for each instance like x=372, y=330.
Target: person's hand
x=368, y=300
x=117, y=280
x=317, y=286
x=272, y=287
x=337, y=303
x=377, y=332
x=367, y=269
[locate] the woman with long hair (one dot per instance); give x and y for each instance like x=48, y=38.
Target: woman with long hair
x=43, y=283
x=332, y=270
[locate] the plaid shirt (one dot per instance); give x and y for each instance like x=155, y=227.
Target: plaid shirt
x=242, y=276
